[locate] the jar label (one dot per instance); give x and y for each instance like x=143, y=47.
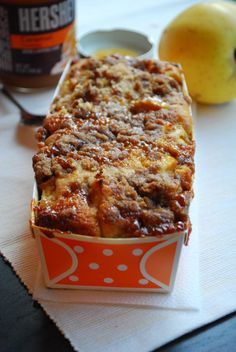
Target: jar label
x=36, y=40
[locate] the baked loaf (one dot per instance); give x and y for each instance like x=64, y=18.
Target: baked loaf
x=116, y=151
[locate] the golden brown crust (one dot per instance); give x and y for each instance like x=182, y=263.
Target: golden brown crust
x=116, y=151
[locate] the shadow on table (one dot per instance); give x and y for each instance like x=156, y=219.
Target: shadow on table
x=25, y=136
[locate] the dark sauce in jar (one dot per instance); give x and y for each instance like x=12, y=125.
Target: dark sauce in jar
x=37, y=39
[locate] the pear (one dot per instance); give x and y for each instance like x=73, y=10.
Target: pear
x=203, y=40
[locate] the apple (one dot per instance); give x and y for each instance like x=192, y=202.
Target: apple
x=203, y=40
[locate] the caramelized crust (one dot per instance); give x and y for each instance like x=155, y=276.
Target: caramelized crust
x=116, y=150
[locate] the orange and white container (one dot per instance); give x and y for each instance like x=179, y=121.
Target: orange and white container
x=81, y=262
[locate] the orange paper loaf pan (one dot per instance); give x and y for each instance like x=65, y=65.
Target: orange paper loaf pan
x=114, y=176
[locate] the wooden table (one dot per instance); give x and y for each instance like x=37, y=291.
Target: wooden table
x=24, y=327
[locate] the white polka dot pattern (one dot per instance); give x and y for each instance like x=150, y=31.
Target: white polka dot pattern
x=111, y=267
x=79, y=249
x=108, y=280
x=94, y=266
x=107, y=252
x=73, y=278
x=143, y=282
x=122, y=267
x=137, y=252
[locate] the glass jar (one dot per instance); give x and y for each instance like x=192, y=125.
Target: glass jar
x=36, y=40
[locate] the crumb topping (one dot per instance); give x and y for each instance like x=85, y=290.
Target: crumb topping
x=116, y=150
